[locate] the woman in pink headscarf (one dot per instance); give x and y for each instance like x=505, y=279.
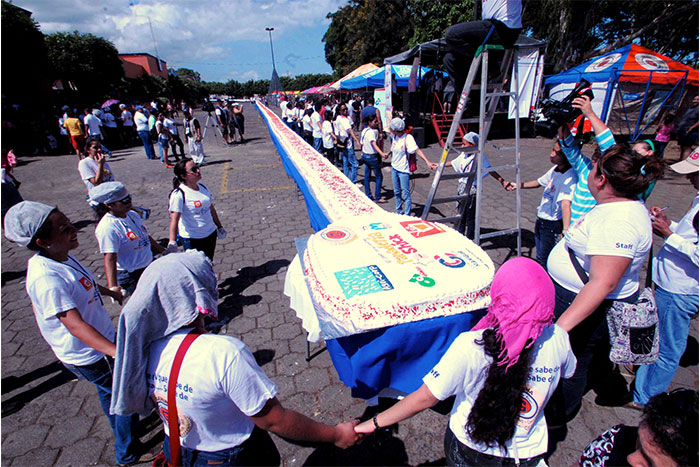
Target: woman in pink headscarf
x=502, y=373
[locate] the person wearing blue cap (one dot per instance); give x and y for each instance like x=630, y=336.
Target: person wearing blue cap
x=123, y=238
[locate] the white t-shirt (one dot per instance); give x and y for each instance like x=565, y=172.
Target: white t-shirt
x=401, y=147
x=462, y=164
x=327, y=129
x=675, y=268
x=127, y=118
x=128, y=238
x=195, y=219
x=621, y=228
x=558, y=187
x=306, y=122
x=283, y=107
x=141, y=121
x=316, y=125
x=93, y=124
x=110, y=122
x=509, y=12
x=170, y=125
x=219, y=387
x=55, y=287
x=368, y=135
x=462, y=372
x=342, y=127
x=88, y=168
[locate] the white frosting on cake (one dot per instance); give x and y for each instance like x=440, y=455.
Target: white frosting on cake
x=370, y=272
x=337, y=197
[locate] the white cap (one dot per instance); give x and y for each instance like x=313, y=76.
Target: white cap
x=688, y=165
x=24, y=219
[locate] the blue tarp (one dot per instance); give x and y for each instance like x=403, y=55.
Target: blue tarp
x=375, y=78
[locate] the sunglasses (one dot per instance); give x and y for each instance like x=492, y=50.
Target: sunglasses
x=126, y=200
x=194, y=169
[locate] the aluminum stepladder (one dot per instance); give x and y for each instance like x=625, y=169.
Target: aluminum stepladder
x=490, y=99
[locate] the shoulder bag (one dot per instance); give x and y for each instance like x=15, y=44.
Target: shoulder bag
x=173, y=421
x=633, y=327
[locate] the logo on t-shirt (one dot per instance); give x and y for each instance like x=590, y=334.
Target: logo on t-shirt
x=421, y=228
x=85, y=282
x=185, y=422
x=131, y=235
x=197, y=203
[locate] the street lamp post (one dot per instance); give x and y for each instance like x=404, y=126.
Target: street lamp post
x=275, y=83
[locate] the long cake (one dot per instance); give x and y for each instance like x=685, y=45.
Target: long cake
x=370, y=272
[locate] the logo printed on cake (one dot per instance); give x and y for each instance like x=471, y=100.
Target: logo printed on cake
x=338, y=235
x=376, y=226
x=421, y=228
x=451, y=260
x=424, y=281
x=362, y=281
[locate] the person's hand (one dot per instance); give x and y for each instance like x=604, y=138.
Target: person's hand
x=433, y=165
x=345, y=435
x=657, y=212
x=584, y=104
x=221, y=233
x=116, y=293
x=171, y=248
x=365, y=428
x=508, y=186
x=100, y=157
x=661, y=225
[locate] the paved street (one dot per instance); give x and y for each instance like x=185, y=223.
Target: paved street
x=48, y=418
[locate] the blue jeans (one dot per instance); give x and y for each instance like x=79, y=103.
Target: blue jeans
x=675, y=312
x=402, y=191
x=147, y=144
x=590, y=343
x=350, y=163
x=546, y=232
x=457, y=453
x=126, y=444
x=372, y=163
x=318, y=143
x=163, y=145
x=258, y=449
x=128, y=280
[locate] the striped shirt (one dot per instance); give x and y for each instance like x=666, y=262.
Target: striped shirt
x=583, y=201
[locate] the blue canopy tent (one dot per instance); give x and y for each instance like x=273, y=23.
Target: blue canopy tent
x=633, y=87
x=375, y=78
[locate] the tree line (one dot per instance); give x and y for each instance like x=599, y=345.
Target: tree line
x=364, y=31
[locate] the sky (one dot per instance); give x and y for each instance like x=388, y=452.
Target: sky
x=222, y=40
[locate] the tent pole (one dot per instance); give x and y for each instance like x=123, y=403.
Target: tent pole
x=641, y=110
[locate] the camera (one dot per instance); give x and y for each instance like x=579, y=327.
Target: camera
x=560, y=112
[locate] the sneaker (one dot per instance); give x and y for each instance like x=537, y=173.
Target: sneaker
x=146, y=457
x=169, y=166
x=634, y=405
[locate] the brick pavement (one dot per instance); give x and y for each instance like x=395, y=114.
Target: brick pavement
x=59, y=421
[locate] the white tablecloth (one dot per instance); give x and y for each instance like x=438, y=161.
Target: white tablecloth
x=300, y=300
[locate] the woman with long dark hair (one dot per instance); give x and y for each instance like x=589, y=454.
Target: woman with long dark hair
x=193, y=218
x=502, y=373
x=610, y=243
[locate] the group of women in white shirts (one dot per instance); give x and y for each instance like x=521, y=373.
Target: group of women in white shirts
x=503, y=373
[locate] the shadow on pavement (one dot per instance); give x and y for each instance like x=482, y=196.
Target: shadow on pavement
x=11, y=383
x=231, y=289
x=6, y=276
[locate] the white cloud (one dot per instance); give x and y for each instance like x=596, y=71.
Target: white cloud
x=185, y=31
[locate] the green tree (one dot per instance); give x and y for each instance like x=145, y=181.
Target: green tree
x=186, y=73
x=365, y=31
x=576, y=30
x=431, y=19
x=91, y=63
x=23, y=58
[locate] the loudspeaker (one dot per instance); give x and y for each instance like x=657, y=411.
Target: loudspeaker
x=411, y=108
x=419, y=135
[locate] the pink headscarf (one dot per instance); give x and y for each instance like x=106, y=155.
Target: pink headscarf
x=522, y=304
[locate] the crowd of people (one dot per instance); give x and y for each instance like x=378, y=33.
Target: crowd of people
x=547, y=317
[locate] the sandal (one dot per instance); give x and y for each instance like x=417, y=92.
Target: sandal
x=381, y=201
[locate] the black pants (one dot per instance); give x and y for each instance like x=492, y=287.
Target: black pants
x=463, y=39
x=206, y=245
x=176, y=141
